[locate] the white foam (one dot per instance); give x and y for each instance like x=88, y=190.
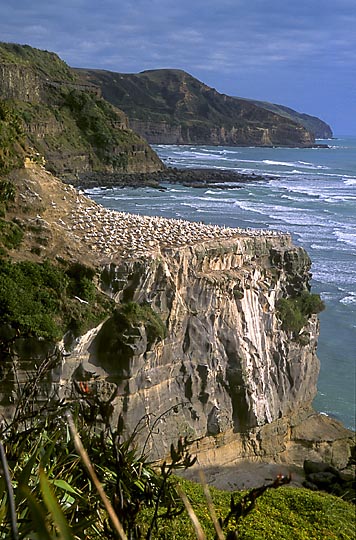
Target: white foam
x=283, y=163
x=340, y=198
x=345, y=236
x=351, y=299
x=322, y=247
x=215, y=199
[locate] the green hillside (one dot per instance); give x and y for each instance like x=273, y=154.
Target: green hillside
x=158, y=102
x=68, y=123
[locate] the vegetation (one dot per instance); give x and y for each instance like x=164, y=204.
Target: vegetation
x=132, y=314
x=43, y=300
x=55, y=497
x=51, y=487
x=12, y=140
x=96, y=119
x=65, y=118
x=10, y=234
x=176, y=98
x=294, y=312
x=7, y=192
x=47, y=63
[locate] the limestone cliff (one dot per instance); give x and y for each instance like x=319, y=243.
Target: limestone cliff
x=225, y=355
x=318, y=127
x=212, y=359
x=226, y=371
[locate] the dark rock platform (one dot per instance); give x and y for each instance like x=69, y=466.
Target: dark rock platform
x=199, y=178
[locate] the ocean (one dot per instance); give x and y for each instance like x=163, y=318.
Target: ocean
x=310, y=193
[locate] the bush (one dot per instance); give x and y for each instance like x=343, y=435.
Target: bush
x=37, y=299
x=7, y=192
x=12, y=140
x=10, y=234
x=132, y=314
x=81, y=281
x=294, y=312
x=54, y=497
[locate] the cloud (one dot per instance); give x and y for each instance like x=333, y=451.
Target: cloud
x=232, y=43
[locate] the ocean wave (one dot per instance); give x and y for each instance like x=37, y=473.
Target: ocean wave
x=322, y=247
x=295, y=199
x=95, y=190
x=305, y=164
x=216, y=199
x=345, y=236
x=350, y=299
x=343, y=198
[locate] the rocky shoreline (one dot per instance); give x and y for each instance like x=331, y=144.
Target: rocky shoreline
x=198, y=178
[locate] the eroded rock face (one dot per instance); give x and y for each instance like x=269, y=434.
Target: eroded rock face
x=217, y=366
x=279, y=133
x=225, y=364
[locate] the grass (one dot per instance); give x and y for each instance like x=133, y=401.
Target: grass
x=48, y=63
x=278, y=515
x=131, y=314
x=12, y=139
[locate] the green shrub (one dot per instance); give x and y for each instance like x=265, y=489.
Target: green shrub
x=294, y=312
x=7, y=192
x=47, y=63
x=10, y=234
x=81, y=281
x=12, y=140
x=132, y=314
x=37, y=299
x=55, y=498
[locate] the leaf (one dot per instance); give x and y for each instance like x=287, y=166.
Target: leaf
x=54, y=508
x=26, y=473
x=62, y=484
x=37, y=513
x=48, y=455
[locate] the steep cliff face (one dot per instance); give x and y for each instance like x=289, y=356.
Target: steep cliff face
x=319, y=128
x=255, y=134
x=171, y=107
x=19, y=82
x=225, y=364
x=197, y=344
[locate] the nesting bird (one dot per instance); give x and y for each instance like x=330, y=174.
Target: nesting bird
x=114, y=233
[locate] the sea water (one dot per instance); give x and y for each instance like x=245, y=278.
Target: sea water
x=310, y=193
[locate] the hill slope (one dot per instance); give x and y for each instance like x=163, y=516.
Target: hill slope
x=319, y=128
x=170, y=106
x=68, y=123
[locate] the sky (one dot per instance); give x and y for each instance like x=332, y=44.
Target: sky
x=298, y=53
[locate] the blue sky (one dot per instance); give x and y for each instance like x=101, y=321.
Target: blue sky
x=299, y=53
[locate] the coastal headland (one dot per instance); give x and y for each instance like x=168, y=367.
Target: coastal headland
x=195, y=335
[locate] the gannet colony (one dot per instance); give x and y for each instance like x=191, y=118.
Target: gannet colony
x=112, y=233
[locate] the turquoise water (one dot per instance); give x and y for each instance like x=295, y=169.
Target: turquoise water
x=313, y=196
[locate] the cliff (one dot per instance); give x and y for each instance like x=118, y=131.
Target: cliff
x=171, y=107
x=319, y=128
x=65, y=121
x=195, y=342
